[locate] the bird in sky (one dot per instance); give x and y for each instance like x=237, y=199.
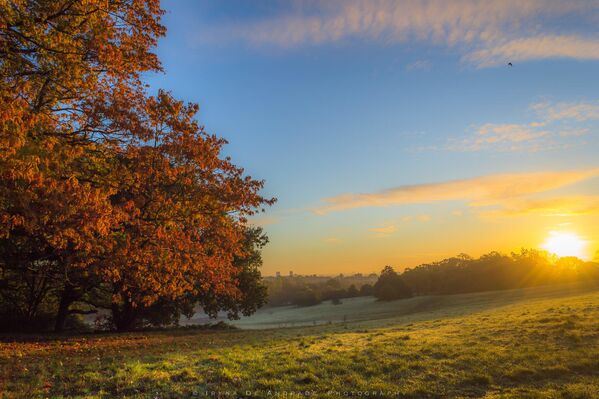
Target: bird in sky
x=509, y=64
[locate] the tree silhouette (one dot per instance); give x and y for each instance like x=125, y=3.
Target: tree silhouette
x=390, y=286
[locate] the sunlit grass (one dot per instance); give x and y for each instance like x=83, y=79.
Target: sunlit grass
x=536, y=346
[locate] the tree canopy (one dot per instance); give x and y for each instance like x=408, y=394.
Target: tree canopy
x=109, y=196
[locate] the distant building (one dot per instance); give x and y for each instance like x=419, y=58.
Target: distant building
x=278, y=274
x=290, y=273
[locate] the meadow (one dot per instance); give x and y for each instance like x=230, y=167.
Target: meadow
x=531, y=343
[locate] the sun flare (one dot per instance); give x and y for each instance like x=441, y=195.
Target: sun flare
x=565, y=244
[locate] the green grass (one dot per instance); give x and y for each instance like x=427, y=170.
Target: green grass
x=534, y=343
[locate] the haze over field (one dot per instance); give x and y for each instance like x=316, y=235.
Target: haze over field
x=395, y=132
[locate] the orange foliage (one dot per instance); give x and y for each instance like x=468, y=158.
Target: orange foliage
x=99, y=177
x=185, y=206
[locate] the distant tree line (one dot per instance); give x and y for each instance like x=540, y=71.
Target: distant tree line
x=497, y=271
x=455, y=275
x=312, y=290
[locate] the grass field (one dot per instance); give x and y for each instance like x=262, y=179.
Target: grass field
x=533, y=343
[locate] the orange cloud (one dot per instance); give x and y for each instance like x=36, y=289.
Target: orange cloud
x=479, y=191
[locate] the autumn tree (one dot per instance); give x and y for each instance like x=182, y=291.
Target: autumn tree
x=185, y=209
x=103, y=189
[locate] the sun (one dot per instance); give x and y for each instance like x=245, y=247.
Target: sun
x=565, y=244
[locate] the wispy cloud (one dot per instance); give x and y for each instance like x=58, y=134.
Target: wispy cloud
x=332, y=240
x=507, y=136
x=535, y=48
x=555, y=126
x=420, y=65
x=390, y=227
x=578, y=132
x=418, y=218
x=578, y=111
x=486, y=32
x=383, y=231
x=556, y=207
x=479, y=191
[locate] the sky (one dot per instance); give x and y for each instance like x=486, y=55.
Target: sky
x=395, y=132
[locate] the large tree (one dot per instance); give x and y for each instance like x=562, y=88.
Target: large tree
x=102, y=187
x=185, y=207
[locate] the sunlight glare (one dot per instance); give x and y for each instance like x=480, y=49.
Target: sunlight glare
x=565, y=244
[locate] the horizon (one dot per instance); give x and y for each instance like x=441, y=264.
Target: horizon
x=552, y=256
x=397, y=133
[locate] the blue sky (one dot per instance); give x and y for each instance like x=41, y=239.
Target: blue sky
x=322, y=99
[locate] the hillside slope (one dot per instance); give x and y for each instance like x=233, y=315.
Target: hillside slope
x=544, y=344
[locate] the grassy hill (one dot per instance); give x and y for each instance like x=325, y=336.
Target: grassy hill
x=531, y=343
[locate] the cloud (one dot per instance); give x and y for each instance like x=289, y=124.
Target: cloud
x=390, y=227
x=574, y=132
x=535, y=48
x=419, y=218
x=555, y=129
x=487, y=31
x=383, y=231
x=332, y=240
x=579, y=111
x=507, y=132
x=556, y=207
x=424, y=218
x=496, y=135
x=420, y=65
x=478, y=191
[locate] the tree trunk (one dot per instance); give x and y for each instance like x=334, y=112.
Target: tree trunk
x=66, y=299
x=124, y=317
